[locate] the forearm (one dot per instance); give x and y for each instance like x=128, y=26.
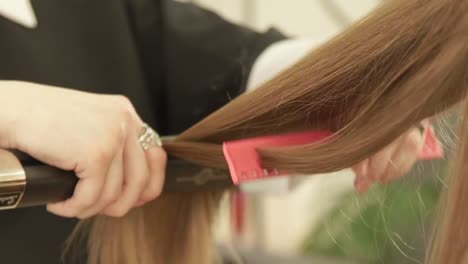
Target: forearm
x=8, y=115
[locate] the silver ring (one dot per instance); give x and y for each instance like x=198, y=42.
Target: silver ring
x=149, y=138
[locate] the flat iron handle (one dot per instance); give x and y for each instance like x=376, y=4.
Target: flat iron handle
x=46, y=184
x=42, y=184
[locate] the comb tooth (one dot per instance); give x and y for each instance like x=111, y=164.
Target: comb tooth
x=244, y=175
x=275, y=172
x=242, y=154
x=265, y=173
x=255, y=174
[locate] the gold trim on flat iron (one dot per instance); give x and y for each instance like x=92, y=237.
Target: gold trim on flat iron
x=12, y=180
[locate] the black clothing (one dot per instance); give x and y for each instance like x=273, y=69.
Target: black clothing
x=176, y=62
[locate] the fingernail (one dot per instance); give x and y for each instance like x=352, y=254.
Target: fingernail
x=359, y=183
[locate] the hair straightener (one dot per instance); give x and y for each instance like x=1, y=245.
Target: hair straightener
x=26, y=182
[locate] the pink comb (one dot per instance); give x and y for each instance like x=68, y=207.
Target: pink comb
x=432, y=148
x=244, y=161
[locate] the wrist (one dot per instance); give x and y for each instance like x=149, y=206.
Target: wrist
x=10, y=106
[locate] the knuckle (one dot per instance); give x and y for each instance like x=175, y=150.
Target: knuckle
x=125, y=115
x=86, y=200
x=122, y=107
x=413, y=140
x=103, y=155
x=148, y=198
x=161, y=155
x=141, y=179
x=119, y=132
x=152, y=192
x=156, y=191
x=110, y=198
x=125, y=106
x=414, y=135
x=123, y=100
x=122, y=123
x=157, y=156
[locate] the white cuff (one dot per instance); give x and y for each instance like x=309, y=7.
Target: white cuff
x=277, y=58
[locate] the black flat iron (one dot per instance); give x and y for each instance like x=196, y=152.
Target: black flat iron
x=26, y=182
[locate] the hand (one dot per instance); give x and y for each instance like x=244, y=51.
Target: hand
x=392, y=162
x=94, y=135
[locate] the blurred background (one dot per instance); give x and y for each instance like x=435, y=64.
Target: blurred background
x=319, y=219
x=318, y=19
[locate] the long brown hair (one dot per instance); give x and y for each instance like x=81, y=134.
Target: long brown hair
x=404, y=62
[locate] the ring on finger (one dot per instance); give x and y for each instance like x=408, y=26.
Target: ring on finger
x=149, y=138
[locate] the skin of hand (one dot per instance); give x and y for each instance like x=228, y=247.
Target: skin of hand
x=392, y=162
x=94, y=135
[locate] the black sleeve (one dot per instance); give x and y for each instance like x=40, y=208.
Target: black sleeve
x=205, y=59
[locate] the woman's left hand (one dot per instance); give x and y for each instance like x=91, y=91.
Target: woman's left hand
x=392, y=162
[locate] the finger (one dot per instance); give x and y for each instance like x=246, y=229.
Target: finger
x=135, y=177
x=361, y=168
x=425, y=124
x=380, y=161
x=156, y=158
x=112, y=186
x=362, y=183
x=405, y=156
x=87, y=191
x=363, y=186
